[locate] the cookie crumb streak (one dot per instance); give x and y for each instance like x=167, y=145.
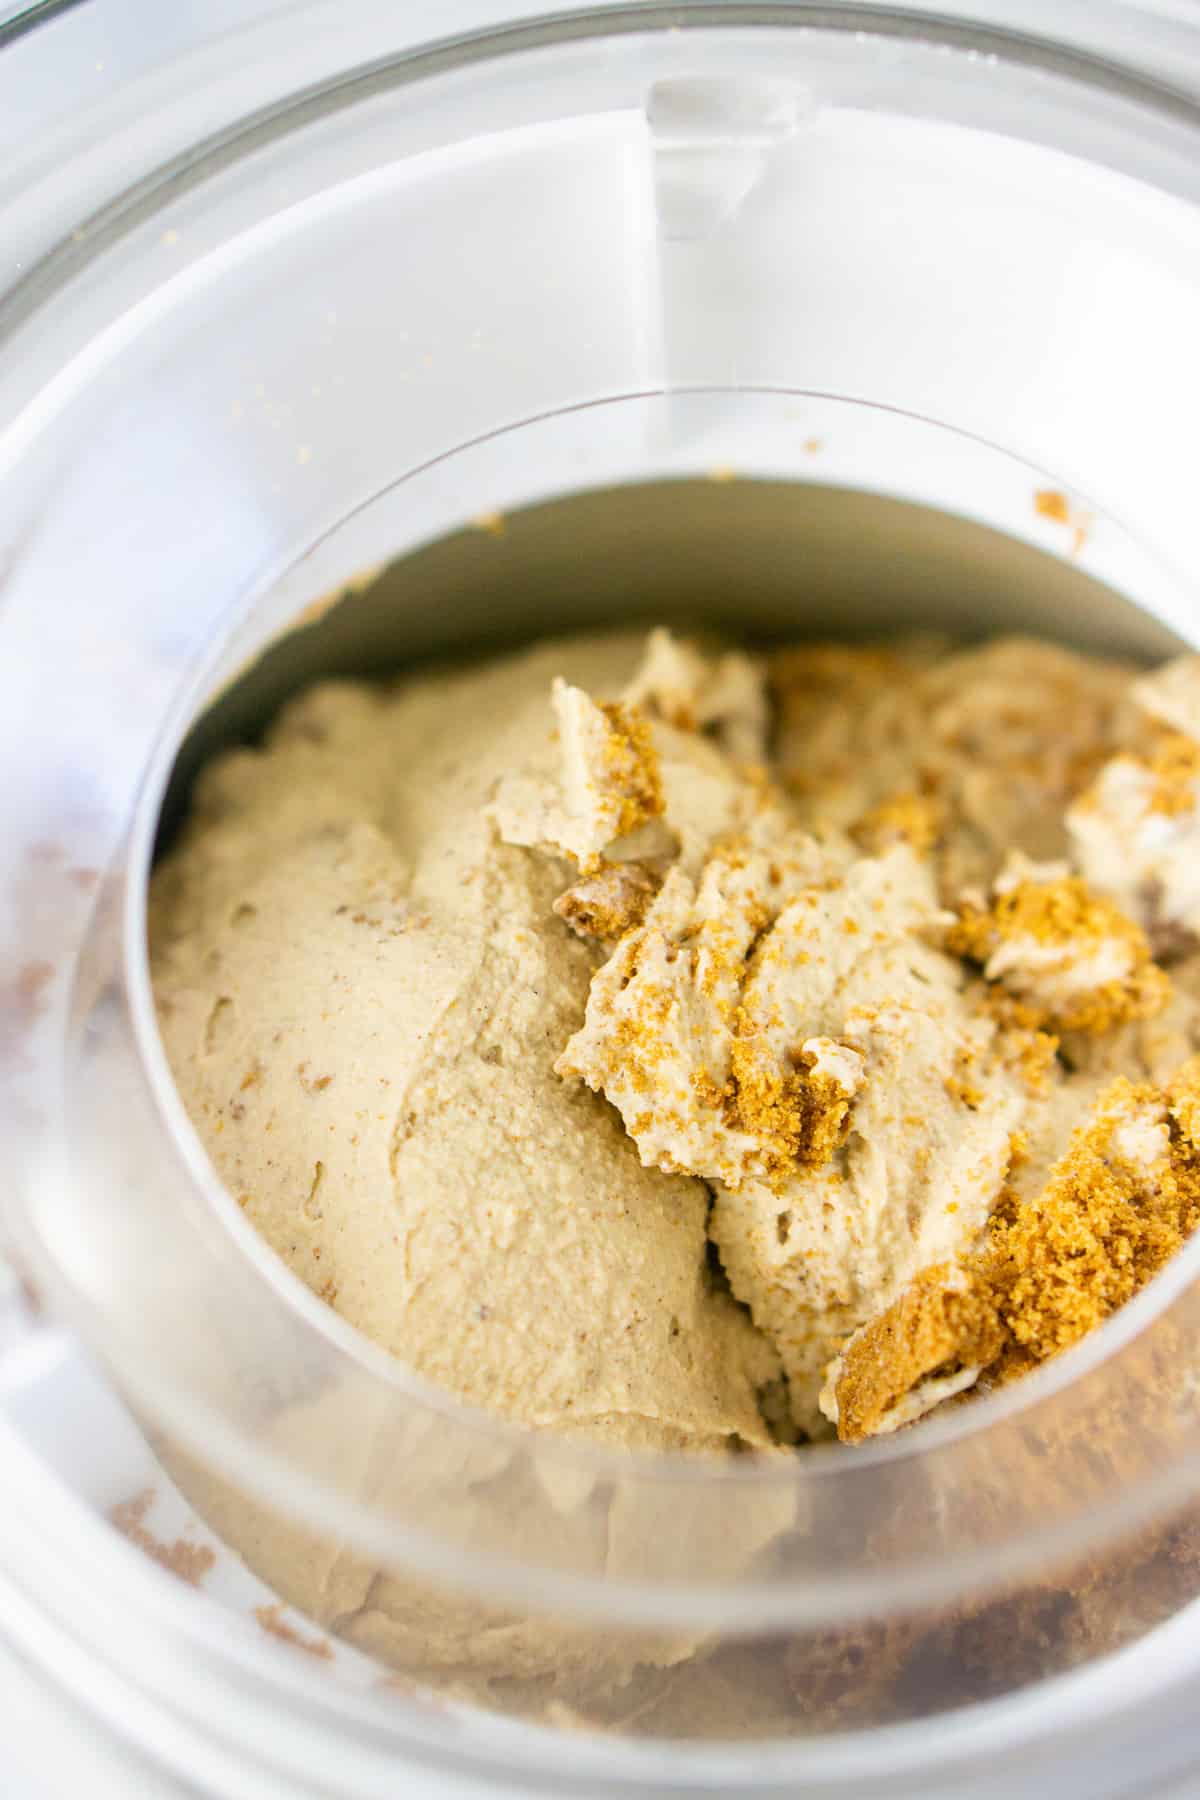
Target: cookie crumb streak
x=1114, y=1210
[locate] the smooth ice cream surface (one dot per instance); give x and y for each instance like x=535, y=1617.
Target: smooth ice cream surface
x=648, y=1040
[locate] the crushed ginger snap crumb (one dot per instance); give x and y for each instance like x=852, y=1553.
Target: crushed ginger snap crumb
x=942, y=1322
x=1071, y=957
x=1163, y=780
x=799, y=1117
x=1174, y=764
x=631, y=763
x=1034, y=1057
x=1115, y=1208
x=906, y=818
x=1020, y=1045
x=608, y=903
x=608, y=784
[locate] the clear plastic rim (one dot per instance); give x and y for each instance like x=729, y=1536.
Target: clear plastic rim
x=75, y=252
x=336, y=1720
x=106, y=230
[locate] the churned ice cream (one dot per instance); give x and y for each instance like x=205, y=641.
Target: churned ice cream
x=364, y=990
x=698, y=1050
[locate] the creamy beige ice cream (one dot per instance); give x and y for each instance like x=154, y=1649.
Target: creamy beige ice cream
x=1135, y=833
x=613, y=1031
x=363, y=991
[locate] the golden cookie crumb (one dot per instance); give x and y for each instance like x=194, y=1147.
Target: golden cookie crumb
x=1101, y=1227
x=942, y=1321
x=1175, y=765
x=799, y=1117
x=1011, y=934
x=609, y=902
x=1115, y=1208
x=632, y=762
x=907, y=818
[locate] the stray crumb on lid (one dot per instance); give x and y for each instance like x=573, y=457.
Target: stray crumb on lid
x=1052, y=503
x=276, y=1625
x=189, y=1561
